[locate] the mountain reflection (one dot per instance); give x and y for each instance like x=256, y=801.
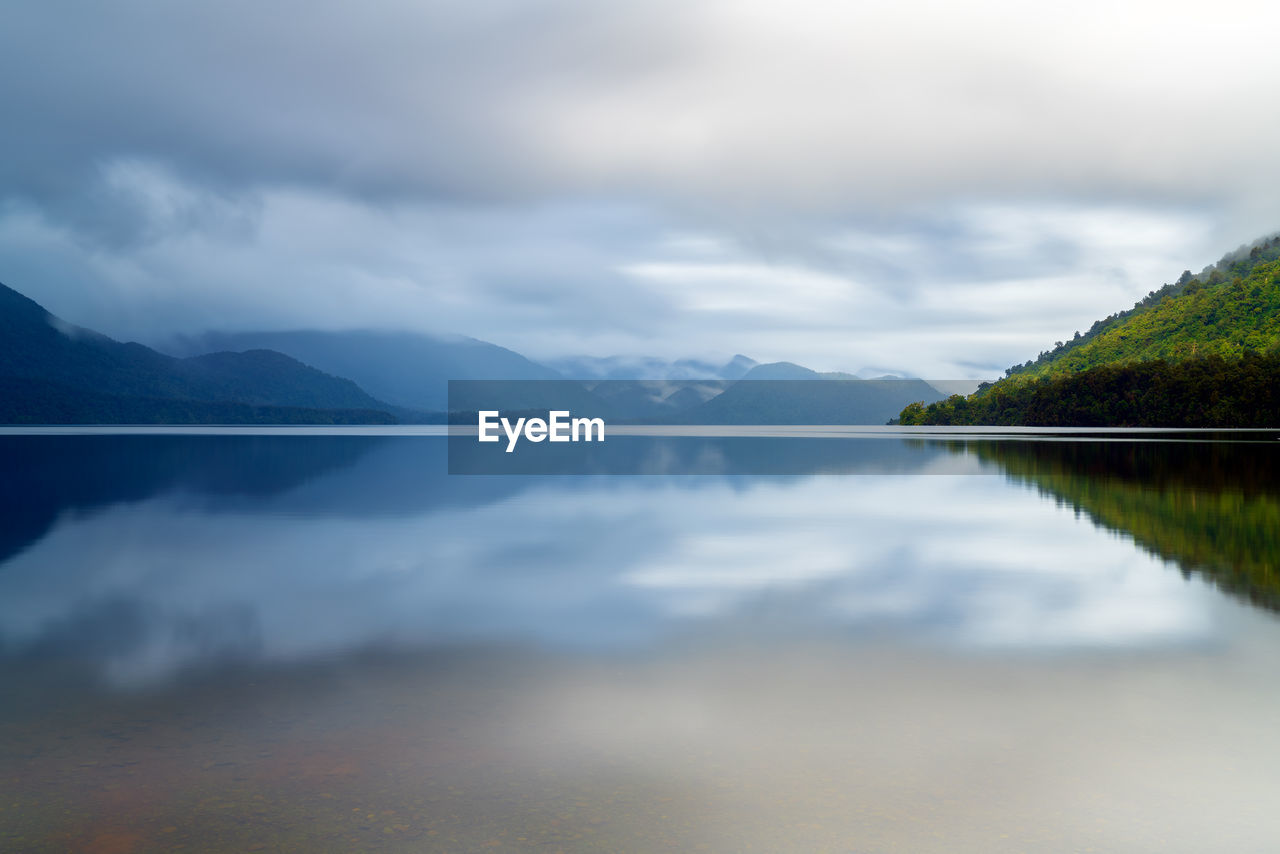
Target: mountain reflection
x=296, y=549
x=50, y=477
x=1212, y=508
x=46, y=477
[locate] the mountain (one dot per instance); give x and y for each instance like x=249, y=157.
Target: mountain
x=403, y=368
x=774, y=393
x=790, y=394
x=1230, y=308
x=1205, y=392
x=521, y=397
x=649, y=368
x=792, y=371
x=653, y=400
x=54, y=372
x=737, y=367
x=781, y=371
x=1201, y=352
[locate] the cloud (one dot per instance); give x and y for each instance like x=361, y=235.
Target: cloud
x=961, y=294
x=801, y=104
x=527, y=173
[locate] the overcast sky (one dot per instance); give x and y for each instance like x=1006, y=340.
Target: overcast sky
x=938, y=187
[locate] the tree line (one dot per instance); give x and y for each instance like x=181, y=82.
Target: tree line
x=1209, y=391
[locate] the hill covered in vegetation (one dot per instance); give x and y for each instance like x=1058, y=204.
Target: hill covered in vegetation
x=1201, y=352
x=1230, y=308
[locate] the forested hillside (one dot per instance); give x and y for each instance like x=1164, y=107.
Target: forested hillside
x=1202, y=352
x=1203, y=392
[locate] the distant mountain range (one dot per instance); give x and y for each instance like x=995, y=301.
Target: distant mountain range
x=52, y=372
x=824, y=400
x=648, y=368
x=412, y=371
x=800, y=396
x=405, y=369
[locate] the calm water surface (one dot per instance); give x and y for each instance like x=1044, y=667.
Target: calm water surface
x=941, y=644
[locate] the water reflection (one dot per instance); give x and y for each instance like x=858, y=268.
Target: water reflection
x=1212, y=508
x=346, y=543
x=46, y=477
x=332, y=645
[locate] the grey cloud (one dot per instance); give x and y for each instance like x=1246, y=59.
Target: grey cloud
x=419, y=100
x=881, y=174
x=548, y=280
x=733, y=105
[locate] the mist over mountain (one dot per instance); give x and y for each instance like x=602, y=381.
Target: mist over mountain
x=790, y=394
x=781, y=371
x=54, y=372
x=773, y=393
x=649, y=368
x=403, y=368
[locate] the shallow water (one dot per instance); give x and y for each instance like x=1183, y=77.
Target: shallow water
x=328, y=643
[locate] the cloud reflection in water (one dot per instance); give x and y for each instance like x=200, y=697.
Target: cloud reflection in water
x=150, y=588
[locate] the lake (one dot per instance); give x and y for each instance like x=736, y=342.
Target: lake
x=869, y=641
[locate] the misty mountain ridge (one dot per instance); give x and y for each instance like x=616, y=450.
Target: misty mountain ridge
x=52, y=371
x=412, y=370
x=781, y=371
x=774, y=393
x=56, y=372
x=785, y=393
x=649, y=368
x=407, y=369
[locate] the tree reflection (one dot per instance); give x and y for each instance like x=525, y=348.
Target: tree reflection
x=1212, y=508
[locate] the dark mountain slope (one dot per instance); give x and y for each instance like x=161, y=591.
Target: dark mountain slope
x=53, y=367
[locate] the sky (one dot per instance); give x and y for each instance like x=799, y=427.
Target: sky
x=937, y=188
